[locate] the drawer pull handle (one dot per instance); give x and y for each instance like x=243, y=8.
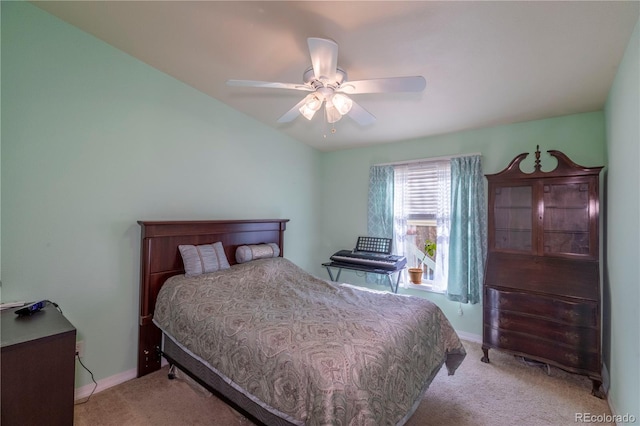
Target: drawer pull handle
x=503, y=302
x=573, y=358
x=571, y=337
x=573, y=315
x=505, y=323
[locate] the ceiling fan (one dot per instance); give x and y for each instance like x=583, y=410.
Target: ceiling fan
x=328, y=85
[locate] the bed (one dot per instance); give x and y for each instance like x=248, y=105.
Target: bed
x=283, y=346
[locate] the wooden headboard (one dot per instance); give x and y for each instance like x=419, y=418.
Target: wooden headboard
x=160, y=259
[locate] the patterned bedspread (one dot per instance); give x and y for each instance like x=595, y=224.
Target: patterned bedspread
x=316, y=352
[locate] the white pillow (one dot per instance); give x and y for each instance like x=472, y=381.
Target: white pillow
x=202, y=259
x=256, y=251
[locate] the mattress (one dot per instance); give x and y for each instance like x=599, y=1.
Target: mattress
x=305, y=349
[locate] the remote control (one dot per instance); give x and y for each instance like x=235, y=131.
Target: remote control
x=31, y=308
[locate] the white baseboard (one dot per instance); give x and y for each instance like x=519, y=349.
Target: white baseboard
x=107, y=382
x=476, y=338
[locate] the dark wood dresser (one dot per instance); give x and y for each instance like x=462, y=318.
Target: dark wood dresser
x=38, y=368
x=542, y=278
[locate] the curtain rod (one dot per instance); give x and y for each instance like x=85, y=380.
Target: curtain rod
x=444, y=157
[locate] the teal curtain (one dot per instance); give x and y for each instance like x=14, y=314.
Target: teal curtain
x=380, y=208
x=468, y=232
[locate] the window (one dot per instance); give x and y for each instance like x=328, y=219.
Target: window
x=421, y=213
x=427, y=199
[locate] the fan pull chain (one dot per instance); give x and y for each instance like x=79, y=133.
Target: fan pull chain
x=326, y=122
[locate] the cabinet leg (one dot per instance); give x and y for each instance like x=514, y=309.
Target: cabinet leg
x=485, y=358
x=596, y=389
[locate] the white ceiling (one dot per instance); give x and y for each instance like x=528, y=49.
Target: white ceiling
x=486, y=63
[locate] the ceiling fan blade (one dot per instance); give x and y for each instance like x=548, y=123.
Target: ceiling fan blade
x=293, y=113
x=269, y=85
x=361, y=115
x=324, y=57
x=382, y=85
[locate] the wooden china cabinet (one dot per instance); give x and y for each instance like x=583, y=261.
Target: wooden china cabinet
x=542, y=279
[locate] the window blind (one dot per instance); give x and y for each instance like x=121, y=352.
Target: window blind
x=421, y=191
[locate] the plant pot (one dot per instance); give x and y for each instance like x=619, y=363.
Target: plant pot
x=415, y=275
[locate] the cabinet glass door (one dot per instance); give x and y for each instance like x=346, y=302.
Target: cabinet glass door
x=512, y=218
x=566, y=218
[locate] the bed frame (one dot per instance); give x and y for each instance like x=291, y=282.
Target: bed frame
x=160, y=259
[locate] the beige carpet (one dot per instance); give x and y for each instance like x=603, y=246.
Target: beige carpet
x=505, y=392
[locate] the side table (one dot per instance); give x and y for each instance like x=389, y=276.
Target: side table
x=388, y=273
x=38, y=368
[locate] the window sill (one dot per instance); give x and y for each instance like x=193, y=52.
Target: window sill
x=425, y=286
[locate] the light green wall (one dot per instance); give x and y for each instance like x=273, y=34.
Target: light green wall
x=0, y=165
x=345, y=176
x=94, y=140
x=622, y=211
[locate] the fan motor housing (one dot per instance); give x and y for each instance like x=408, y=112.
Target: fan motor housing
x=309, y=78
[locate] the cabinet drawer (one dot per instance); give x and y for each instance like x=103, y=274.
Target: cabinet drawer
x=526, y=345
x=583, y=313
x=580, y=337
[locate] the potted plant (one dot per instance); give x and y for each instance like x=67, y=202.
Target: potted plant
x=415, y=274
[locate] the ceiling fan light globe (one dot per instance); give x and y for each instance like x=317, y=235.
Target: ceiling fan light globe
x=311, y=105
x=342, y=103
x=333, y=118
x=307, y=112
x=314, y=102
x=332, y=113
